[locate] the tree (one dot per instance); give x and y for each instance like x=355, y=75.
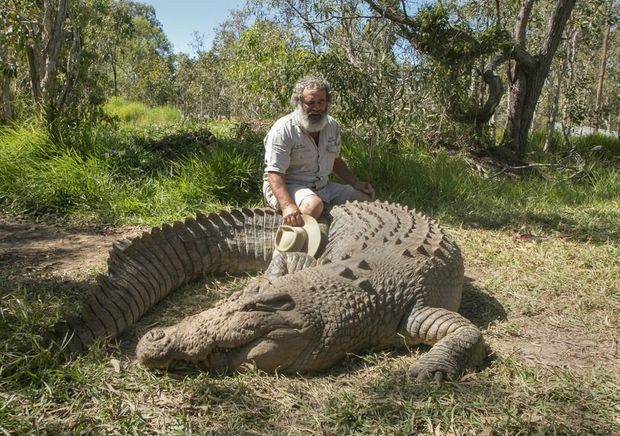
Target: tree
x=356, y=53
x=267, y=62
x=46, y=31
x=144, y=66
x=528, y=74
x=609, y=19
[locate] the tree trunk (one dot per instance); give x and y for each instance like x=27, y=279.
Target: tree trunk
x=554, y=106
x=601, y=71
x=529, y=77
x=8, y=72
x=44, y=53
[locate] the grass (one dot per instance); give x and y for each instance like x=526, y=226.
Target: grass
x=138, y=114
x=125, y=175
x=549, y=308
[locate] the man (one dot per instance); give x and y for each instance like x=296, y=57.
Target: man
x=301, y=151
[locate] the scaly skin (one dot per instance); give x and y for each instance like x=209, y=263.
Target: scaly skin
x=395, y=281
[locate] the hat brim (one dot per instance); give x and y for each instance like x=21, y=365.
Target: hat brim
x=311, y=226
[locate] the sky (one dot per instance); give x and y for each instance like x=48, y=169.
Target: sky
x=180, y=18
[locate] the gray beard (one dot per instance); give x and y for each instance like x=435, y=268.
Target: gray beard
x=309, y=123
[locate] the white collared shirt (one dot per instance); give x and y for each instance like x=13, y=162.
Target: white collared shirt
x=291, y=151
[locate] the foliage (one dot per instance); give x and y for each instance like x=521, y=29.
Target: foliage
x=119, y=175
x=454, y=43
x=382, y=83
x=267, y=62
x=106, y=47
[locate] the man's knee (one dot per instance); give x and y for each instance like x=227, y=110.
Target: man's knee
x=312, y=205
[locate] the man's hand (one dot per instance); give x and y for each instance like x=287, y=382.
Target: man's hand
x=366, y=188
x=291, y=216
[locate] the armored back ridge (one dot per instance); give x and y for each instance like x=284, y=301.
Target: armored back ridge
x=386, y=276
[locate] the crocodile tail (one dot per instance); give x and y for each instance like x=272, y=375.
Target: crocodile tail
x=145, y=269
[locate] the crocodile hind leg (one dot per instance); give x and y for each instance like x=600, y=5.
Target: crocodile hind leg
x=457, y=344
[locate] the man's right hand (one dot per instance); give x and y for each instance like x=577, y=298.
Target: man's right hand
x=291, y=216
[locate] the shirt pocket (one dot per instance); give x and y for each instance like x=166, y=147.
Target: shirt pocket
x=332, y=147
x=299, y=155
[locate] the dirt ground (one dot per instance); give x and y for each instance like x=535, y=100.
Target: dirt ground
x=30, y=250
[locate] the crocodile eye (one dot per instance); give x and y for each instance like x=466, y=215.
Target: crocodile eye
x=156, y=335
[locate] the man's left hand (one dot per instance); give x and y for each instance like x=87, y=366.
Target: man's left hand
x=366, y=188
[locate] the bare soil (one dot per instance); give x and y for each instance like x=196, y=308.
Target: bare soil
x=34, y=249
x=30, y=250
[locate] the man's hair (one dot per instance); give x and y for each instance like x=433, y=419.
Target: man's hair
x=309, y=82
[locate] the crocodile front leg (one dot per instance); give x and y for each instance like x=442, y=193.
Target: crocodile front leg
x=457, y=343
x=288, y=263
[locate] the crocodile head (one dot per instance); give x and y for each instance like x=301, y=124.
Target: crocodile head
x=263, y=328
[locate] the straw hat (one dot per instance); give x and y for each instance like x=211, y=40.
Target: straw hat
x=306, y=238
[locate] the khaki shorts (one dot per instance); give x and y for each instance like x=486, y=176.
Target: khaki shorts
x=332, y=193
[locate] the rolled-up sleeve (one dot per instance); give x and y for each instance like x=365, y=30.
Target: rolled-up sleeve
x=277, y=152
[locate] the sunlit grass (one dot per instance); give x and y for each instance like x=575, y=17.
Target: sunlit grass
x=127, y=175
x=139, y=114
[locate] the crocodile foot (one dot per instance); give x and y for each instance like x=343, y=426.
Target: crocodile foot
x=440, y=365
x=426, y=369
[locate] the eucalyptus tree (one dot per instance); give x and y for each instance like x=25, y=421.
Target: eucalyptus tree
x=68, y=56
x=581, y=89
x=45, y=33
x=146, y=64
x=202, y=90
x=530, y=64
x=267, y=61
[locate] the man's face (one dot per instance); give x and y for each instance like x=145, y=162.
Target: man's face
x=314, y=103
x=314, y=107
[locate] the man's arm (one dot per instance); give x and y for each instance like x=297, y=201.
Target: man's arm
x=342, y=170
x=290, y=212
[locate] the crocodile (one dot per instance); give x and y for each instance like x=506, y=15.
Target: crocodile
x=386, y=276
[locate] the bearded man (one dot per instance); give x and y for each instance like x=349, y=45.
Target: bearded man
x=301, y=150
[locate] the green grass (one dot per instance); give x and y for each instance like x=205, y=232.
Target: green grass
x=593, y=147
x=133, y=175
x=446, y=187
x=125, y=175
x=549, y=310
x=138, y=114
